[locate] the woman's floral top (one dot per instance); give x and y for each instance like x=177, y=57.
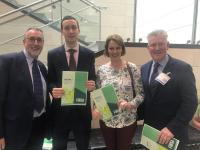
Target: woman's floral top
x=121, y=81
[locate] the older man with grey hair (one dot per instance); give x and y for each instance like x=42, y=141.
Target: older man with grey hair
x=170, y=91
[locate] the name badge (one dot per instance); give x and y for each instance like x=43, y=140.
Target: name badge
x=163, y=78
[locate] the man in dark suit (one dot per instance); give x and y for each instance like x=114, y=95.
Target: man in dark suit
x=170, y=91
x=70, y=118
x=23, y=112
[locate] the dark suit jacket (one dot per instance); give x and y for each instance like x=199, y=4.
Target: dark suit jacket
x=171, y=105
x=57, y=62
x=16, y=99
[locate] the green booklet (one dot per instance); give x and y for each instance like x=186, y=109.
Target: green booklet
x=105, y=100
x=150, y=140
x=74, y=85
x=47, y=144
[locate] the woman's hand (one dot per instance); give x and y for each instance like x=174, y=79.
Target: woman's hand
x=124, y=105
x=96, y=114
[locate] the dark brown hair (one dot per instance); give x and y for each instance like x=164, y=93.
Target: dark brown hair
x=69, y=18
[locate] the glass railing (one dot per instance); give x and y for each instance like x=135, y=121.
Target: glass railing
x=47, y=15
x=87, y=13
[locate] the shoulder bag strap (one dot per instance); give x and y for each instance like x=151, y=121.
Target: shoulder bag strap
x=132, y=81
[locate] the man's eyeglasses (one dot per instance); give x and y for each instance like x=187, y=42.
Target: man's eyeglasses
x=32, y=39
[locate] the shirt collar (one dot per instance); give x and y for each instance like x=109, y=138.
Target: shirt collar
x=164, y=61
x=28, y=57
x=67, y=48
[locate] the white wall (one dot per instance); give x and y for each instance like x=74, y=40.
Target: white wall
x=117, y=18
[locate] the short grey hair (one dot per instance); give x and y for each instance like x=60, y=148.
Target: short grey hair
x=33, y=28
x=160, y=32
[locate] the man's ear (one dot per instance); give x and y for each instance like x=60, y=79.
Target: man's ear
x=167, y=45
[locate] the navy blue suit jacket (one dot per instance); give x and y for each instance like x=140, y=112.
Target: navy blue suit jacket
x=57, y=62
x=171, y=105
x=16, y=99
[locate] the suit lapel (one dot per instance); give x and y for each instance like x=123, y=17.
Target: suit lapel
x=145, y=78
x=43, y=71
x=62, y=59
x=80, y=58
x=168, y=65
x=146, y=74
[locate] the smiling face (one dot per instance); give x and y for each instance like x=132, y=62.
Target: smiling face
x=114, y=50
x=33, y=42
x=157, y=46
x=114, y=46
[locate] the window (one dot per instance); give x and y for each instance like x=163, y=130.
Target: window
x=174, y=16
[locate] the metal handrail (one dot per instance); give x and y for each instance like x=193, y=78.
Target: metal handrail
x=51, y=3
x=91, y=4
x=21, y=35
x=21, y=8
x=96, y=7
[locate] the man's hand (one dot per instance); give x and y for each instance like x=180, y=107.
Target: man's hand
x=2, y=143
x=165, y=136
x=90, y=84
x=57, y=92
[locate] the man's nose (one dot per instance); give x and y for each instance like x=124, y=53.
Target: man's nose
x=35, y=41
x=157, y=47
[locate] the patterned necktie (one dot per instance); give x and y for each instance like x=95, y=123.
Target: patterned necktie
x=154, y=73
x=72, y=62
x=37, y=86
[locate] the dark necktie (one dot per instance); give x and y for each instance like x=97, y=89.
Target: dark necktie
x=154, y=73
x=153, y=83
x=38, y=89
x=72, y=62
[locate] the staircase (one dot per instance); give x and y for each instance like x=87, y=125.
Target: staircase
x=18, y=15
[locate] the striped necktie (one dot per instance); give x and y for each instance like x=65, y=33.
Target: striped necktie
x=37, y=86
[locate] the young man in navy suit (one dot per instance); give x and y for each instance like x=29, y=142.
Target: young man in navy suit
x=70, y=118
x=23, y=102
x=170, y=91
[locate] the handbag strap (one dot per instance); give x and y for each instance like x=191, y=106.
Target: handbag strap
x=131, y=75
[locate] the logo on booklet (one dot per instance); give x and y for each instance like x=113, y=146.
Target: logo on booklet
x=171, y=144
